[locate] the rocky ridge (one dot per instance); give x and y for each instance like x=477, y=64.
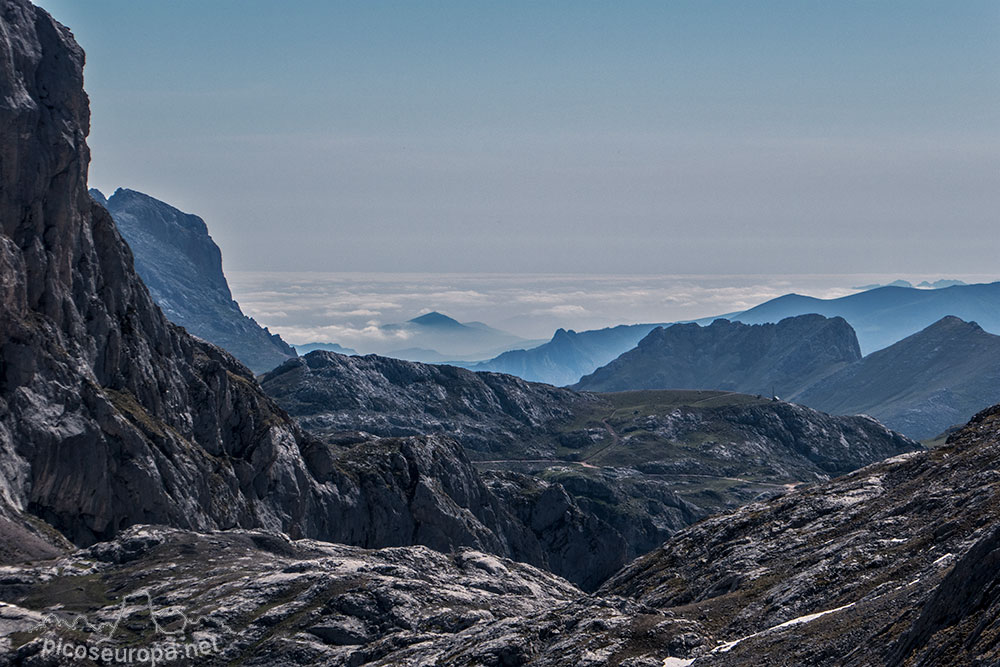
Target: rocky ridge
x=487, y=412
x=609, y=477
x=568, y=356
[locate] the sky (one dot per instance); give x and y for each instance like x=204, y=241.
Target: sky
x=674, y=137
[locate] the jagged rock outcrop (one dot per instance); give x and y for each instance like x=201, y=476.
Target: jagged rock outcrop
x=920, y=386
x=182, y=267
x=784, y=358
x=590, y=525
x=487, y=412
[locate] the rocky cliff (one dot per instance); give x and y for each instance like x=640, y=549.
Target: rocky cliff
x=110, y=415
x=182, y=267
x=784, y=358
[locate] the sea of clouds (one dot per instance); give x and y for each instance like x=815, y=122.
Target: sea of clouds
x=349, y=308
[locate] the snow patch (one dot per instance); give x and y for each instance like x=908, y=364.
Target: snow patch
x=676, y=662
x=943, y=559
x=728, y=646
x=899, y=458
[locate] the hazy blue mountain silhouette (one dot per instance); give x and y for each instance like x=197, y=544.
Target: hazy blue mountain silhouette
x=569, y=355
x=921, y=385
x=785, y=357
x=182, y=267
x=885, y=315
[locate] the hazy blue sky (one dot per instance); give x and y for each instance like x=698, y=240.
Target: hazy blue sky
x=618, y=137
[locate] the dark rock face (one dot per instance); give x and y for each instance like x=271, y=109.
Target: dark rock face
x=901, y=550
x=786, y=357
x=182, y=267
x=569, y=355
x=488, y=412
x=891, y=565
x=112, y=416
x=920, y=386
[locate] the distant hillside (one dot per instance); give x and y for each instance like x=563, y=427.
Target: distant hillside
x=569, y=355
x=786, y=357
x=182, y=267
x=921, y=385
x=883, y=316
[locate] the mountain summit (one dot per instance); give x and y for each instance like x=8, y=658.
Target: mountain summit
x=937, y=378
x=436, y=319
x=182, y=267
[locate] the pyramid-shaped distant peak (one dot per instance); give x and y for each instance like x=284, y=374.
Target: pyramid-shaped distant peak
x=951, y=323
x=436, y=319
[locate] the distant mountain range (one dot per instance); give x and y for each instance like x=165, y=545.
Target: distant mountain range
x=937, y=284
x=182, y=267
x=785, y=357
x=885, y=315
x=569, y=355
x=920, y=386
x=880, y=316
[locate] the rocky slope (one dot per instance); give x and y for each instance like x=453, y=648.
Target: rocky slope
x=893, y=564
x=785, y=357
x=920, y=386
x=182, y=267
x=569, y=355
x=257, y=598
x=487, y=412
x=889, y=314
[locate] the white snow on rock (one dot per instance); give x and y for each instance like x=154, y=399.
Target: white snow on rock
x=728, y=646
